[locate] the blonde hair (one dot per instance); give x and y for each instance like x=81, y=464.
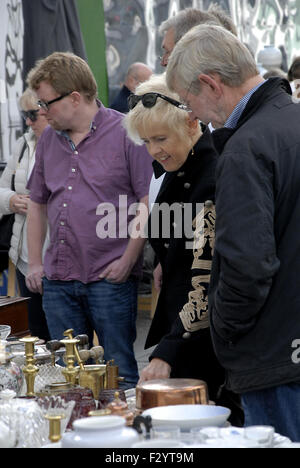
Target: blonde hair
x=28, y=100
x=209, y=49
x=65, y=72
x=162, y=112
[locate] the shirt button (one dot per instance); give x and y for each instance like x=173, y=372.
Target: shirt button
x=73, y=170
x=70, y=187
x=62, y=223
x=62, y=241
x=76, y=152
x=186, y=335
x=65, y=205
x=187, y=185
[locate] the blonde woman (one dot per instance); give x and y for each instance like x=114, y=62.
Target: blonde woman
x=20, y=164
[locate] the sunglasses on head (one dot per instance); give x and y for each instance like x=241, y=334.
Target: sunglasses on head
x=31, y=114
x=149, y=100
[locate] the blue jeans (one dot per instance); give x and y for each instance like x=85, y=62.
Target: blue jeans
x=106, y=308
x=278, y=407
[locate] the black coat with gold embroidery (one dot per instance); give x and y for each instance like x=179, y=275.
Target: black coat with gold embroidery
x=180, y=325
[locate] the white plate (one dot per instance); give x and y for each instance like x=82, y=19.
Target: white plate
x=188, y=416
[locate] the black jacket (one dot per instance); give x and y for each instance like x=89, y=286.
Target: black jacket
x=120, y=102
x=180, y=325
x=254, y=299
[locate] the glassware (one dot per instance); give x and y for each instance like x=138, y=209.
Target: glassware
x=263, y=435
x=5, y=331
x=25, y=420
x=47, y=375
x=11, y=376
x=202, y=434
x=165, y=432
x=54, y=405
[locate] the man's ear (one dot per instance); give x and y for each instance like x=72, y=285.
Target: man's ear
x=212, y=82
x=76, y=97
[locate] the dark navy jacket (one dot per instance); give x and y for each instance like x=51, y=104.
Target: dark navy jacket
x=254, y=299
x=120, y=102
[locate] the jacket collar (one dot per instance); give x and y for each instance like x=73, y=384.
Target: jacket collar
x=272, y=87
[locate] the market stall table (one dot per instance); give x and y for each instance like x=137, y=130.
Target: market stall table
x=14, y=312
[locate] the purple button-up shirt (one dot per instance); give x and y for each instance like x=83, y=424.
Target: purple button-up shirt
x=80, y=185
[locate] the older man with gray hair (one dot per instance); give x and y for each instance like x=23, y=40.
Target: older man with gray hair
x=175, y=27
x=254, y=293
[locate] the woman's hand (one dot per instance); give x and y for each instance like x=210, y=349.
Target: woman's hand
x=157, y=369
x=34, y=278
x=19, y=204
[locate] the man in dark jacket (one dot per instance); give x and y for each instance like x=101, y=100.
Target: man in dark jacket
x=136, y=74
x=254, y=293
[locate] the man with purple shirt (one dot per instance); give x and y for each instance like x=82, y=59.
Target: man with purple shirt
x=87, y=181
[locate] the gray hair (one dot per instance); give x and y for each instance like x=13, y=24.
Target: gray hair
x=189, y=17
x=209, y=49
x=162, y=112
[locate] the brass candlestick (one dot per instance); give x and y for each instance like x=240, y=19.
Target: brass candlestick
x=69, y=335
x=69, y=372
x=54, y=426
x=30, y=369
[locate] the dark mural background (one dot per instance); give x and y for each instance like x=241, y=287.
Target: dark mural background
x=131, y=29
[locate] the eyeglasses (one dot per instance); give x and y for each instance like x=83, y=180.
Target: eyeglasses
x=31, y=114
x=149, y=100
x=45, y=104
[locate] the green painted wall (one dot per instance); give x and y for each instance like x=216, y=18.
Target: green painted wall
x=91, y=16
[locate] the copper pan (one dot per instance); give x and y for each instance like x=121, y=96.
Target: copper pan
x=165, y=392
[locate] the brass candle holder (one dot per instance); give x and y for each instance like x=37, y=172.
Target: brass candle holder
x=30, y=369
x=54, y=426
x=69, y=335
x=70, y=372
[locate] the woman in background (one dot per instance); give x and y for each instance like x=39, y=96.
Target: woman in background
x=20, y=165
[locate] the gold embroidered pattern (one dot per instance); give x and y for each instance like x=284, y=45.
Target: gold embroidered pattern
x=194, y=314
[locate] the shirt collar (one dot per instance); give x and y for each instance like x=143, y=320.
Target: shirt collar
x=233, y=119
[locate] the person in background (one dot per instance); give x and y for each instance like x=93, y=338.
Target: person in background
x=254, y=293
x=294, y=70
x=89, y=181
x=136, y=74
x=294, y=77
x=175, y=27
x=20, y=165
x=180, y=327
x=275, y=72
